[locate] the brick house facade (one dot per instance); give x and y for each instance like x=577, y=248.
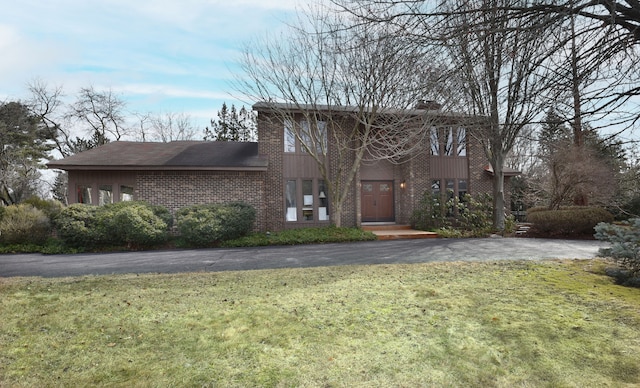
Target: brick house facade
x=283, y=185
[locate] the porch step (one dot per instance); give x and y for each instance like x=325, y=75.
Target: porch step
x=393, y=231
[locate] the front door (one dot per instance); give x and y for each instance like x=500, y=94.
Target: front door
x=377, y=201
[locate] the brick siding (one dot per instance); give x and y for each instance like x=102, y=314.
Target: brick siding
x=178, y=189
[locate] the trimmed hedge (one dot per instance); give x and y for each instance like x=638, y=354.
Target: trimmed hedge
x=568, y=221
x=131, y=223
x=124, y=223
x=76, y=225
x=24, y=224
x=207, y=225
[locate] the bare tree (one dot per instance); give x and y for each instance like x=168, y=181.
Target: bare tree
x=100, y=113
x=166, y=127
x=46, y=103
x=350, y=82
x=497, y=61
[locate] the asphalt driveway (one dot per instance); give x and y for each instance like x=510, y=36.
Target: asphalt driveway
x=373, y=252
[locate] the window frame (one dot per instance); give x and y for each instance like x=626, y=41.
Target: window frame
x=309, y=208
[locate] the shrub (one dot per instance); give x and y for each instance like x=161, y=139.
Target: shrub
x=472, y=213
x=569, y=221
x=76, y=225
x=50, y=207
x=206, y=225
x=23, y=224
x=625, y=243
x=131, y=223
x=430, y=214
x=123, y=223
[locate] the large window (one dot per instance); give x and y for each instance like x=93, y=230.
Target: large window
x=313, y=134
x=448, y=147
x=126, y=193
x=291, y=196
x=84, y=194
x=105, y=194
x=289, y=137
x=462, y=142
x=435, y=143
x=306, y=200
x=454, y=189
x=454, y=141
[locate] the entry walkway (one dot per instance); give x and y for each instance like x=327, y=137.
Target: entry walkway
x=393, y=232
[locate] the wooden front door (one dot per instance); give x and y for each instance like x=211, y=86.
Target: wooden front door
x=377, y=201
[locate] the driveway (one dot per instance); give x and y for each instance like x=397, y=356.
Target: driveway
x=300, y=256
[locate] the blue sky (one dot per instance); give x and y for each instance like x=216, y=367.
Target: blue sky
x=158, y=56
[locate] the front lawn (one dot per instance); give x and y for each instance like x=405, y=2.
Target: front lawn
x=503, y=324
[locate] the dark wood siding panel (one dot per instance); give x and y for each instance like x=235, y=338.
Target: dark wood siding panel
x=300, y=166
x=96, y=178
x=449, y=167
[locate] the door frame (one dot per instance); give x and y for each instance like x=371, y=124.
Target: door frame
x=375, y=217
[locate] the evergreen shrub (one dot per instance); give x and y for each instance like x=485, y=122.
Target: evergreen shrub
x=625, y=243
x=473, y=214
x=76, y=225
x=207, y=225
x=135, y=224
x=567, y=221
x=132, y=224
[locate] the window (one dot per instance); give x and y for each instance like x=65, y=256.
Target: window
x=306, y=200
x=291, y=207
x=462, y=142
x=455, y=141
x=323, y=202
x=435, y=143
x=462, y=189
x=126, y=193
x=314, y=135
x=448, y=148
x=84, y=194
x=435, y=186
x=105, y=195
x=289, y=137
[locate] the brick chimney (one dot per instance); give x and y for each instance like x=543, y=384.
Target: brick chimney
x=428, y=105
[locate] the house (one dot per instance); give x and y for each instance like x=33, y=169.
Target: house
x=278, y=177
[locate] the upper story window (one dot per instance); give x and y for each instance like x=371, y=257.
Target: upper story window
x=448, y=141
x=313, y=135
x=289, y=137
x=461, y=141
x=435, y=143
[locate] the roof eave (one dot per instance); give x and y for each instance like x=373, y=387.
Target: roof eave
x=151, y=168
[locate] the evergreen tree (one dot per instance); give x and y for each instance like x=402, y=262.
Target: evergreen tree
x=232, y=125
x=24, y=144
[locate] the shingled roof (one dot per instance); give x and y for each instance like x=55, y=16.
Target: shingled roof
x=176, y=155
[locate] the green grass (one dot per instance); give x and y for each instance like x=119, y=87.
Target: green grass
x=503, y=324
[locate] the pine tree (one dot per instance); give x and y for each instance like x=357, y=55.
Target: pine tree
x=232, y=125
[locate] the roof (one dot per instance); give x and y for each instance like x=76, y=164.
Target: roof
x=263, y=106
x=176, y=155
x=506, y=170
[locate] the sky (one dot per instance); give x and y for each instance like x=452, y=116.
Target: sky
x=161, y=56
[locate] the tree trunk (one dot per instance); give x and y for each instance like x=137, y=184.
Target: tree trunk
x=498, y=195
x=336, y=214
x=498, y=198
